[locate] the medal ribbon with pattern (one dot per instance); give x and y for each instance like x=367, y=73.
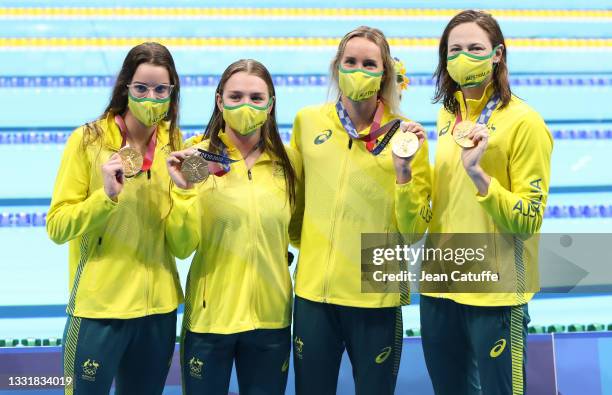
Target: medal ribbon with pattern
x=220, y=164
x=375, y=132
x=147, y=161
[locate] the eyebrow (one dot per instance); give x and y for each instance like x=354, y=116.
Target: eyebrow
x=246, y=93
x=146, y=83
x=469, y=45
x=365, y=60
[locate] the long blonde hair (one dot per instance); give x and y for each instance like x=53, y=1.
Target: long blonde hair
x=388, y=86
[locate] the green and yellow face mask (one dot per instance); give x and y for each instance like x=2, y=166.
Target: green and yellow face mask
x=148, y=111
x=359, y=84
x=246, y=118
x=470, y=70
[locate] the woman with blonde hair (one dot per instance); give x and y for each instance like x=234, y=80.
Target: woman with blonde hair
x=354, y=184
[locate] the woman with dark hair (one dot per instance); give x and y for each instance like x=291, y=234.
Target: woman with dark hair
x=239, y=222
x=491, y=177
x=111, y=199
x=355, y=183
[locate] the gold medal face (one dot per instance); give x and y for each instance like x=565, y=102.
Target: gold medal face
x=462, y=130
x=195, y=169
x=404, y=144
x=132, y=161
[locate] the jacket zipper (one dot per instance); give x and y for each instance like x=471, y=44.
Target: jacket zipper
x=253, y=230
x=333, y=224
x=146, y=260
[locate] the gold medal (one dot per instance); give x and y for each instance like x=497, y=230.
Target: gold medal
x=462, y=130
x=195, y=169
x=404, y=144
x=132, y=161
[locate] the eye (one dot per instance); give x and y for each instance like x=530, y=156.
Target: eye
x=369, y=64
x=257, y=98
x=350, y=61
x=140, y=88
x=161, y=89
x=235, y=97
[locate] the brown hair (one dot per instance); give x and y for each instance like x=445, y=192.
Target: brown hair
x=149, y=53
x=388, y=87
x=445, y=86
x=272, y=141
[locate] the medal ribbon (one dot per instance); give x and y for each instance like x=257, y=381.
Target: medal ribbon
x=221, y=163
x=150, y=154
x=375, y=130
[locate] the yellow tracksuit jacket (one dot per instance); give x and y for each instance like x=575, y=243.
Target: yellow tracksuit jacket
x=349, y=191
x=239, y=226
x=518, y=160
x=119, y=262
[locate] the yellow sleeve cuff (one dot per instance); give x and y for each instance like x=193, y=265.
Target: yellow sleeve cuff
x=185, y=194
x=491, y=192
x=403, y=188
x=99, y=196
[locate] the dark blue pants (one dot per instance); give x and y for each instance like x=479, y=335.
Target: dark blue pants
x=261, y=356
x=135, y=352
x=372, y=338
x=474, y=350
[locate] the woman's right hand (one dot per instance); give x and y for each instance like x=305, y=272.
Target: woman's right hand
x=112, y=172
x=174, y=162
x=403, y=171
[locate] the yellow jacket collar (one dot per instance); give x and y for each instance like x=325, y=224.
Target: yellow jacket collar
x=227, y=141
x=234, y=152
x=113, y=138
x=332, y=113
x=474, y=106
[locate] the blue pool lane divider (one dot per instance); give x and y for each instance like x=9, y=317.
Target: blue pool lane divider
x=60, y=135
x=38, y=219
x=209, y=80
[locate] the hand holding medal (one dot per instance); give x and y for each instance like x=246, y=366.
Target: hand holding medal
x=404, y=145
x=407, y=140
x=474, y=136
x=132, y=161
x=112, y=173
x=184, y=171
x=474, y=144
x=461, y=132
x=195, y=169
